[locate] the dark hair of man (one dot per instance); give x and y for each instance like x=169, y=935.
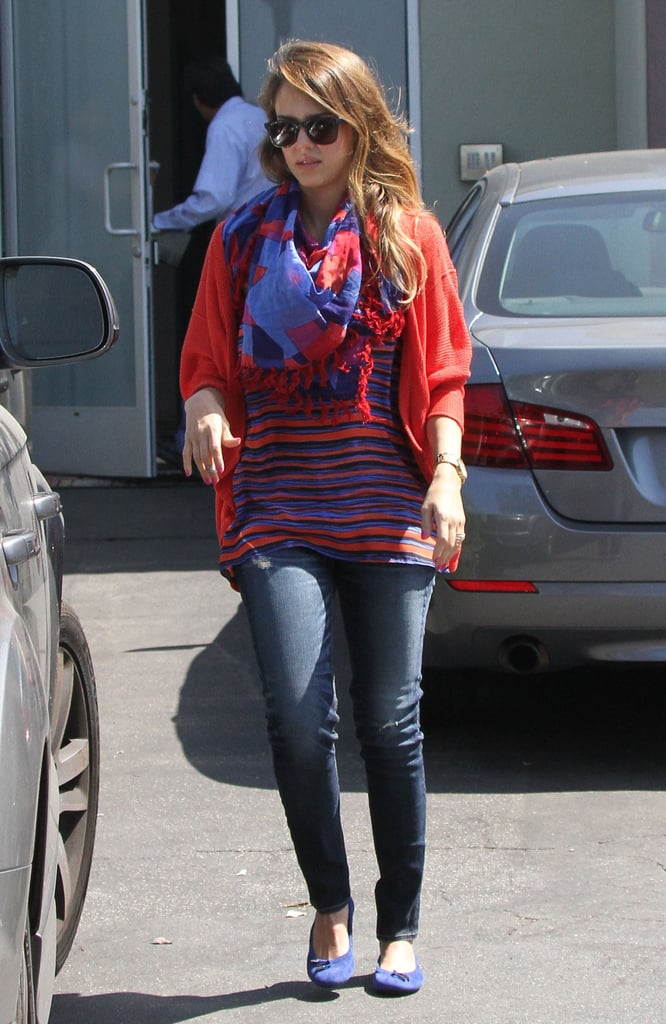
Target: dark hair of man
x=212, y=80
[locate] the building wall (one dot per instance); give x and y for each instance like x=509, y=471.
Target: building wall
x=537, y=76
x=631, y=90
x=656, y=71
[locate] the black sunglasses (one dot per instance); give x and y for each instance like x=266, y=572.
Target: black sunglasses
x=320, y=128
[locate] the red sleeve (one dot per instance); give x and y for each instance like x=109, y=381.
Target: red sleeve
x=209, y=352
x=442, y=326
x=437, y=347
x=209, y=359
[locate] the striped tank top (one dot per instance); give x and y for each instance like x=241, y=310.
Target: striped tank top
x=348, y=489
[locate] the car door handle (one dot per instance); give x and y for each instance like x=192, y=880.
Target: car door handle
x=20, y=545
x=47, y=505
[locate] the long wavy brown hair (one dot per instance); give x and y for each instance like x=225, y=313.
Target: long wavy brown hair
x=382, y=178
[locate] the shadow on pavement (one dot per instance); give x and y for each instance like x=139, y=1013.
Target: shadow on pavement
x=586, y=729
x=220, y=716
x=143, y=1008
x=575, y=731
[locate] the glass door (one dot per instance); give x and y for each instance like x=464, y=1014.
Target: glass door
x=77, y=181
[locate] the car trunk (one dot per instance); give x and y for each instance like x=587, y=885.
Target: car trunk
x=611, y=371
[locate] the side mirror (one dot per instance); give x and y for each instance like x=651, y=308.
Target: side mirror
x=53, y=310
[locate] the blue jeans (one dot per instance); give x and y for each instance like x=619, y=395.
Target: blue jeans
x=289, y=596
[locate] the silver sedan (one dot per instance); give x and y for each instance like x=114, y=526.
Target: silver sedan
x=52, y=311
x=562, y=272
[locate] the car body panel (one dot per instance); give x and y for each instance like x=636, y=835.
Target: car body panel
x=14, y=887
x=24, y=726
x=512, y=534
x=604, y=370
x=565, y=625
x=31, y=584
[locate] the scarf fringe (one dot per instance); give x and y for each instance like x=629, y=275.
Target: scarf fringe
x=293, y=386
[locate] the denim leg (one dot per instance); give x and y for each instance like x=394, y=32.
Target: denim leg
x=384, y=609
x=288, y=595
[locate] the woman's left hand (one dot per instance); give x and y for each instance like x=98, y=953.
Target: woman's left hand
x=443, y=515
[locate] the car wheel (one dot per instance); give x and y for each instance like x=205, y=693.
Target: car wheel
x=25, y=1001
x=75, y=745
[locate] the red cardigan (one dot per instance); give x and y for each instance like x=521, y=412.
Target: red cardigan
x=436, y=351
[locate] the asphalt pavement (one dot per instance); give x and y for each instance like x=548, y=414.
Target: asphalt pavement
x=545, y=891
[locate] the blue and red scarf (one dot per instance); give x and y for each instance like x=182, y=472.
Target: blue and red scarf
x=307, y=325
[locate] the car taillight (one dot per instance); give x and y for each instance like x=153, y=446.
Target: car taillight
x=491, y=437
x=519, y=434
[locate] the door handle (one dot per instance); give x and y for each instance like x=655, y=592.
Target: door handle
x=108, y=171
x=47, y=505
x=20, y=545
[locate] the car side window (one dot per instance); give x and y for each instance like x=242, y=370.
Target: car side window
x=461, y=220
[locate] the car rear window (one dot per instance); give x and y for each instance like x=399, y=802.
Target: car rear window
x=586, y=256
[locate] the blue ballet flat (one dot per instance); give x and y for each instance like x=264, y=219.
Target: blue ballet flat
x=331, y=973
x=397, y=983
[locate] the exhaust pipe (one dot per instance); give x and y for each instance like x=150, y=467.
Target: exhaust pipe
x=523, y=655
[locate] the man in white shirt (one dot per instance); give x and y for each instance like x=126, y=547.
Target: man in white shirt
x=230, y=173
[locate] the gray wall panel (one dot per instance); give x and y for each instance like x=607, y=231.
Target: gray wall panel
x=376, y=29
x=536, y=76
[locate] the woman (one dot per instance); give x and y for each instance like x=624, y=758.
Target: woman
x=323, y=373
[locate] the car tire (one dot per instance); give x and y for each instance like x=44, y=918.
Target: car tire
x=75, y=745
x=25, y=1000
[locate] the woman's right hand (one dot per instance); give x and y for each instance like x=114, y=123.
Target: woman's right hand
x=207, y=433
